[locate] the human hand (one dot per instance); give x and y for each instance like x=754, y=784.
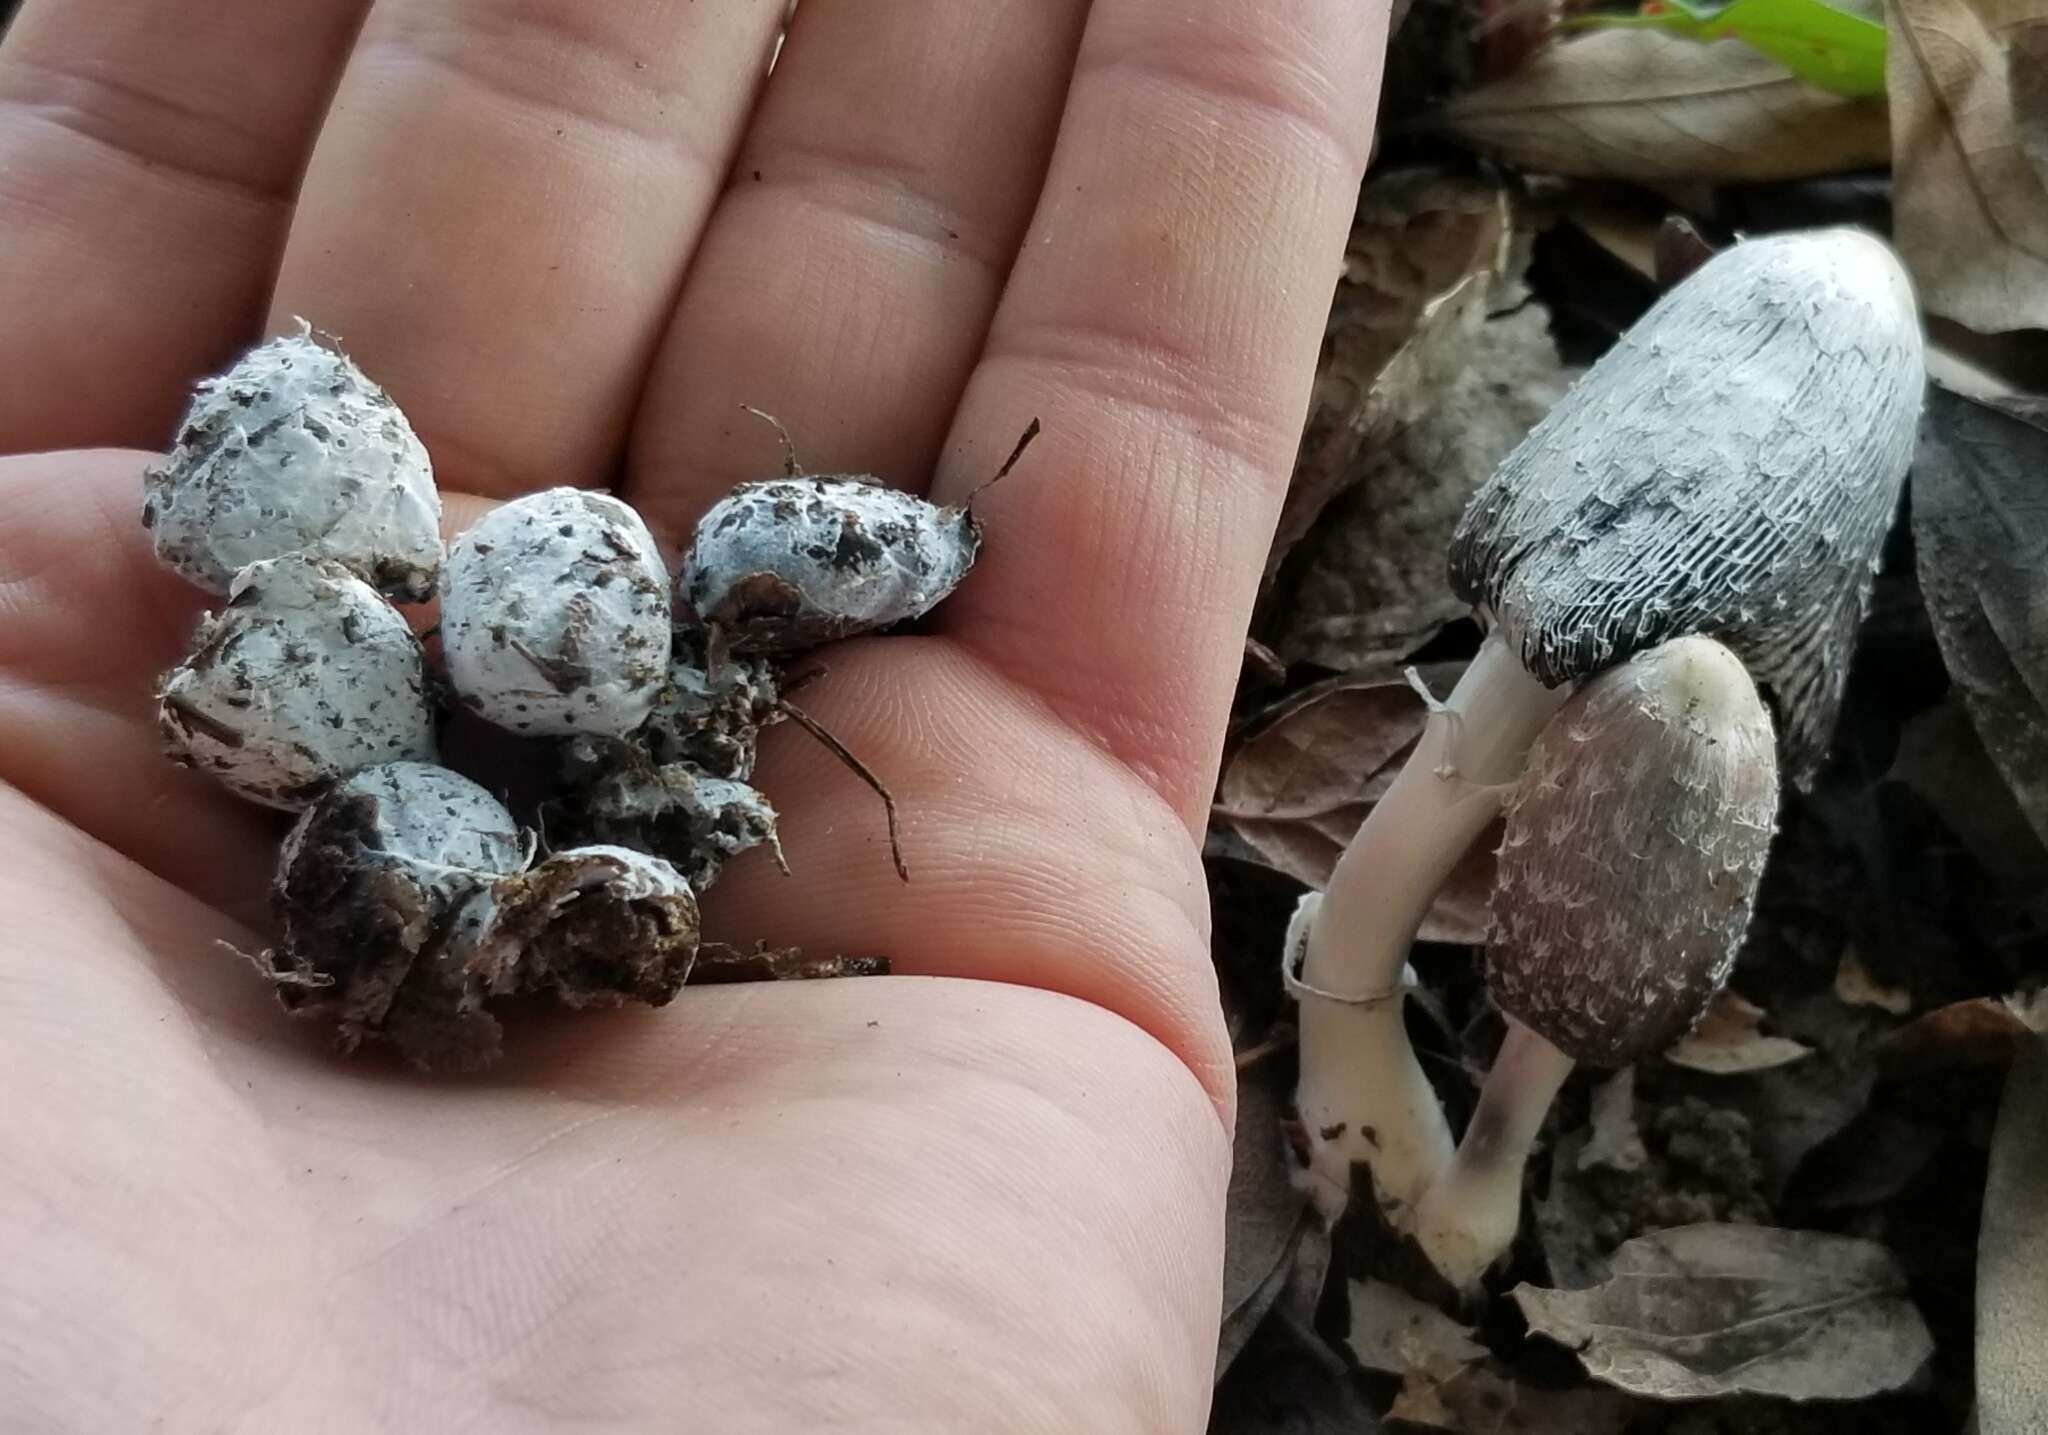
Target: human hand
x=572, y=240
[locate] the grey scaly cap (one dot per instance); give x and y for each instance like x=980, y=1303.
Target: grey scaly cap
x=1731, y=467
x=1632, y=852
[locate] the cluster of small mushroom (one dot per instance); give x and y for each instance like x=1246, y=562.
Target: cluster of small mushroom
x=408, y=896
x=1725, y=476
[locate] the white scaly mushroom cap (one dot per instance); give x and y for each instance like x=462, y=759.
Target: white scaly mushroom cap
x=295, y=450
x=306, y=676
x=555, y=615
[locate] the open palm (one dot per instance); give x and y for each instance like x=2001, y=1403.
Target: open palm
x=572, y=239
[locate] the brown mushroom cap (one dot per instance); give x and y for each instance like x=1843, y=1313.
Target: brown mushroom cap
x=1632, y=853
x=1731, y=467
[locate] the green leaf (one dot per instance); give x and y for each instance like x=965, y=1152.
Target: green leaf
x=1824, y=46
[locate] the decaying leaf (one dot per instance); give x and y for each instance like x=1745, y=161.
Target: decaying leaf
x=1971, y=213
x=1426, y=252
x=2012, y=1259
x=1484, y=1398
x=1368, y=585
x=1941, y=759
x=1795, y=1108
x=1980, y=527
x=1867, y=1162
x=1983, y=1032
x=1263, y=1216
x=1855, y=985
x=1310, y=769
x=1393, y=1332
x=1646, y=106
x=2026, y=69
x=1711, y=1310
x=1288, y=1382
x=1730, y=1039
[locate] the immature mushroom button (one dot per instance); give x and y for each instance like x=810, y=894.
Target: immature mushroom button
x=555, y=615
x=306, y=676
x=1628, y=872
x=295, y=450
x=369, y=885
x=1731, y=468
x=785, y=565
x=594, y=926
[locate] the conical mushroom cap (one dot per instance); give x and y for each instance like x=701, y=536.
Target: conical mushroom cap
x=1731, y=467
x=1632, y=851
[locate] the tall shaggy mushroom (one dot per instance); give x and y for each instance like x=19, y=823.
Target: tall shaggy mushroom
x=1627, y=876
x=1730, y=468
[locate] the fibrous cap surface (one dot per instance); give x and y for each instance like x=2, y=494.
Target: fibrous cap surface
x=1731, y=467
x=1632, y=851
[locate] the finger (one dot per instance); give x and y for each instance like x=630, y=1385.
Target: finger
x=847, y=278
x=1164, y=320
x=500, y=208
x=87, y=621
x=148, y=155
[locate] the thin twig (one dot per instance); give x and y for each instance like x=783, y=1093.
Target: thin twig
x=860, y=769
x=1030, y=433
x=790, y=467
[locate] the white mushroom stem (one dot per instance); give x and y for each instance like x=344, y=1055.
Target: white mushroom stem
x=1362, y=1097
x=1469, y=1215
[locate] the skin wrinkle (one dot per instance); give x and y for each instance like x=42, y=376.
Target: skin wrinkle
x=135, y=156
x=178, y=266
x=896, y=197
x=537, y=106
x=93, y=965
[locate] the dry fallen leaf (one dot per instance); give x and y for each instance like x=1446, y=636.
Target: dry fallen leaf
x=1963, y=1036
x=1970, y=211
x=1369, y=585
x=1640, y=105
x=1485, y=1399
x=1712, y=1310
x=1941, y=759
x=1796, y=1108
x=1425, y=253
x=1980, y=529
x=2026, y=69
x=1393, y=1332
x=1262, y=1219
x=1288, y=1382
x=1855, y=985
x=1729, y=1040
x=2012, y=1259
x=1869, y=1161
